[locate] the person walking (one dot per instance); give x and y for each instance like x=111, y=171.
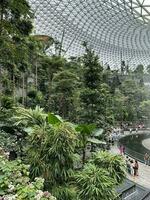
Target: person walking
x=135, y=168
x=146, y=159
x=132, y=167
x=123, y=149
x=128, y=164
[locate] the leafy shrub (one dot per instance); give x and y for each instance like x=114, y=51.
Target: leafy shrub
x=114, y=164
x=6, y=102
x=93, y=182
x=15, y=183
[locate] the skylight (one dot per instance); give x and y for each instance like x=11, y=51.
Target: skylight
x=141, y=10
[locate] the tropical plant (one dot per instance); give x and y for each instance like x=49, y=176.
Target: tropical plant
x=94, y=183
x=15, y=182
x=30, y=117
x=65, y=192
x=51, y=145
x=85, y=132
x=114, y=164
x=50, y=151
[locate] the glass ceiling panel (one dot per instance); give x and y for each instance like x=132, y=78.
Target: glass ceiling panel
x=116, y=29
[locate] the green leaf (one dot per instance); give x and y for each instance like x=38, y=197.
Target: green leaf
x=86, y=128
x=29, y=130
x=96, y=141
x=98, y=132
x=54, y=119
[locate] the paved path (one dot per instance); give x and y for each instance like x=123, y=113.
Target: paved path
x=144, y=172
x=146, y=143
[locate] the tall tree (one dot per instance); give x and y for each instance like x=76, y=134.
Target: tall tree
x=64, y=87
x=15, y=25
x=90, y=95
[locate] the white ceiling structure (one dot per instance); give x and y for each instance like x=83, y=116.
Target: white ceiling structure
x=115, y=29
x=141, y=10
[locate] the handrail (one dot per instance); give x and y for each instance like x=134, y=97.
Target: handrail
x=134, y=154
x=131, y=153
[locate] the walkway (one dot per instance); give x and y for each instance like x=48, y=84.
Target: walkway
x=144, y=172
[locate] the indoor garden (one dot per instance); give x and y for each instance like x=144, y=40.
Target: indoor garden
x=57, y=112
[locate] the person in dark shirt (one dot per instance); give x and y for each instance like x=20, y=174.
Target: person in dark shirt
x=135, y=168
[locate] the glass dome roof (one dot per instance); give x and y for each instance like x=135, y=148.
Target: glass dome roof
x=116, y=29
x=141, y=10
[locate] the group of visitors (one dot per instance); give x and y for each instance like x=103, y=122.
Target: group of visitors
x=132, y=128
x=132, y=166
x=114, y=135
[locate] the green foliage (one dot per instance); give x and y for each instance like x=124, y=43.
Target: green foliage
x=30, y=117
x=15, y=183
x=90, y=95
x=144, y=110
x=114, y=164
x=95, y=96
x=79, y=90
x=6, y=102
x=9, y=142
x=92, y=70
x=54, y=119
x=50, y=149
x=64, y=85
x=85, y=132
x=14, y=51
x=86, y=129
x=51, y=152
x=19, y=17
x=61, y=154
x=65, y=192
x=34, y=98
x=51, y=144
x=131, y=95
x=94, y=183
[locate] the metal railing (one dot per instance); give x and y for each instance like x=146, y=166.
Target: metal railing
x=132, y=153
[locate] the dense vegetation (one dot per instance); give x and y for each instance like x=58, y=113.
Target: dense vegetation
x=48, y=152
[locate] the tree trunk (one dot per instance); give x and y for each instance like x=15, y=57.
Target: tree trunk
x=83, y=156
x=36, y=75
x=0, y=78
x=23, y=84
x=26, y=89
x=14, y=87
x=1, y=19
x=1, y=28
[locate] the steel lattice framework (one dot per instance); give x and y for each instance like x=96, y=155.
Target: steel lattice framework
x=116, y=29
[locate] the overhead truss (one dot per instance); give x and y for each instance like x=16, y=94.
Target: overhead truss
x=116, y=29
